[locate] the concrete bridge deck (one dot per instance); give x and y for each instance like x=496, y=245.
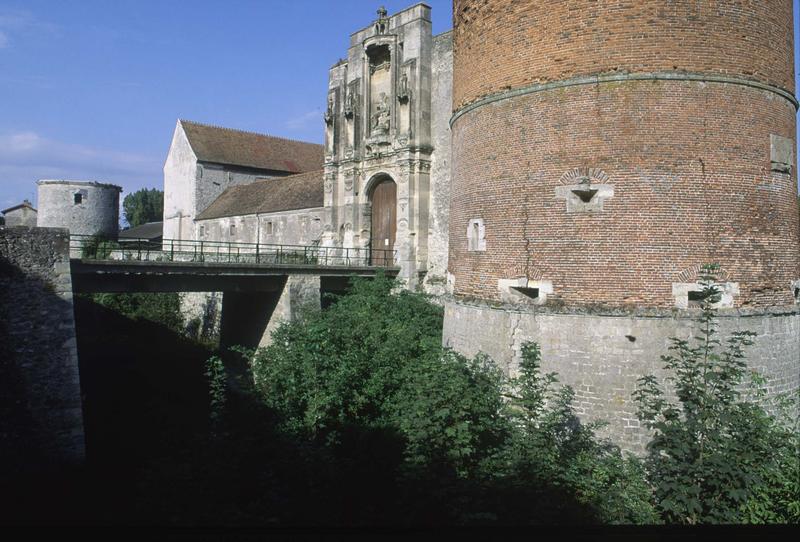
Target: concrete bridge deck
x=94, y=276
x=182, y=265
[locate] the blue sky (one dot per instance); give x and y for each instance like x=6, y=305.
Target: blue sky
x=91, y=89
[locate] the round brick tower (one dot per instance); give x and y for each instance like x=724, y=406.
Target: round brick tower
x=602, y=153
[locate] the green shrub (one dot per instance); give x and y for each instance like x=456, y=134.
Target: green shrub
x=483, y=447
x=715, y=456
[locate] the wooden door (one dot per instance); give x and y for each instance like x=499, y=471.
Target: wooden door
x=384, y=222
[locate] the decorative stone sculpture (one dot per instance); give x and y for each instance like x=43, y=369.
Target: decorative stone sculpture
x=383, y=21
x=351, y=104
x=329, y=111
x=380, y=118
x=403, y=92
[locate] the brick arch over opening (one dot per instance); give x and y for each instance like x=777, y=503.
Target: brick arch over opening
x=694, y=273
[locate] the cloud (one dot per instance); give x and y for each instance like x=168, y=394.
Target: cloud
x=305, y=120
x=29, y=148
x=20, y=23
x=27, y=156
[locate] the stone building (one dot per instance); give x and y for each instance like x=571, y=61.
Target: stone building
x=387, y=145
x=20, y=215
x=83, y=207
x=281, y=211
x=203, y=161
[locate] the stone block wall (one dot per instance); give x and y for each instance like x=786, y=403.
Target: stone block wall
x=601, y=355
x=41, y=422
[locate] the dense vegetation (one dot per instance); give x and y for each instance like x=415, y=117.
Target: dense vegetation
x=356, y=415
x=478, y=447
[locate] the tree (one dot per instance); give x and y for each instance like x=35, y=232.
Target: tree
x=715, y=455
x=142, y=206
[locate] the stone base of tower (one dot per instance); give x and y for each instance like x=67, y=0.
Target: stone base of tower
x=601, y=355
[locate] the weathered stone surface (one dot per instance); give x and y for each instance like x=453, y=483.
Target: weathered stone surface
x=602, y=355
x=83, y=207
x=41, y=424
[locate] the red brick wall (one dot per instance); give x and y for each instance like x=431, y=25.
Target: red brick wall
x=689, y=161
x=500, y=44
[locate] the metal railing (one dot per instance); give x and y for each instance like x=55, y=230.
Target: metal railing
x=91, y=247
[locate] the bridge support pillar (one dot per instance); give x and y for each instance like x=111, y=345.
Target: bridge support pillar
x=249, y=318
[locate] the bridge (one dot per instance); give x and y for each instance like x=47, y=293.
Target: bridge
x=180, y=265
x=260, y=283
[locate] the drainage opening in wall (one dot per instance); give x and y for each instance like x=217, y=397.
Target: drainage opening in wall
x=696, y=298
x=533, y=293
x=585, y=194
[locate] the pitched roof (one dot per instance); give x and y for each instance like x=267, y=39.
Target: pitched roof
x=302, y=191
x=149, y=230
x=235, y=147
x=25, y=203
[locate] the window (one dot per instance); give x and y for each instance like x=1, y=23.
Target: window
x=233, y=230
x=78, y=198
x=476, y=235
x=269, y=228
x=696, y=298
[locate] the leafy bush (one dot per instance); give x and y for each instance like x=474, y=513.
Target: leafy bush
x=458, y=436
x=715, y=456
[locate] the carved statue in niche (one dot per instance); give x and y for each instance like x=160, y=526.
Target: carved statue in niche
x=403, y=92
x=329, y=111
x=351, y=104
x=380, y=118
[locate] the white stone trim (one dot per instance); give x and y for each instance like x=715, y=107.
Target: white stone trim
x=727, y=290
x=510, y=294
x=476, y=244
x=576, y=205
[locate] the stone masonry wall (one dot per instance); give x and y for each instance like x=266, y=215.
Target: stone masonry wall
x=41, y=423
x=96, y=214
x=602, y=355
x=438, y=224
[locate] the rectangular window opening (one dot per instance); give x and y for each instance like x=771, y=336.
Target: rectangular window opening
x=696, y=298
x=532, y=293
x=78, y=198
x=269, y=228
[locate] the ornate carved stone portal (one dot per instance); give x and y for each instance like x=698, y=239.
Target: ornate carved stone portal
x=377, y=124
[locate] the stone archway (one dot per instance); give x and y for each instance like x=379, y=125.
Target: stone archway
x=383, y=199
